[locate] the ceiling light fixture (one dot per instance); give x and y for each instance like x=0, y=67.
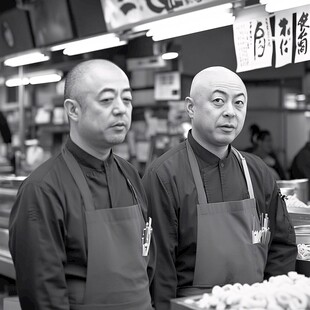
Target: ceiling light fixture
x=48, y=78
x=13, y=82
x=33, y=78
x=93, y=44
x=277, y=5
x=169, y=55
x=192, y=22
x=26, y=59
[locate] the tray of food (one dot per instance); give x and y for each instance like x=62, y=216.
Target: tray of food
x=290, y=292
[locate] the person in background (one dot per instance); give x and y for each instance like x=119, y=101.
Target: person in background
x=264, y=150
x=208, y=201
x=77, y=223
x=6, y=135
x=254, y=131
x=300, y=167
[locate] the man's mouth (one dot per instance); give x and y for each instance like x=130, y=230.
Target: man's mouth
x=119, y=125
x=227, y=127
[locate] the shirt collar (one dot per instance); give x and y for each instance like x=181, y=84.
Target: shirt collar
x=85, y=158
x=203, y=153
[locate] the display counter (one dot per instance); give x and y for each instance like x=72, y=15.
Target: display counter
x=287, y=292
x=8, y=190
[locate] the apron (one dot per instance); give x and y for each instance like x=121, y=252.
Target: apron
x=225, y=253
x=116, y=276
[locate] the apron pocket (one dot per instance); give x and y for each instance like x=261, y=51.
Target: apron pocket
x=141, y=303
x=260, y=252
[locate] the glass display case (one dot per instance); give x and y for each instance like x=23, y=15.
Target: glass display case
x=8, y=190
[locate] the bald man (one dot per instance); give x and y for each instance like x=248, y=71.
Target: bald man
x=77, y=224
x=208, y=200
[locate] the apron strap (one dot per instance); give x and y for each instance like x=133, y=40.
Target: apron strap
x=133, y=190
x=202, y=198
x=246, y=172
x=79, y=179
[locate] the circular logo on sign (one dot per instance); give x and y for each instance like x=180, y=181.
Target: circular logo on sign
x=7, y=34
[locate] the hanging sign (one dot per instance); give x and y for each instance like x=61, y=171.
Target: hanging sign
x=302, y=52
x=253, y=43
x=118, y=13
x=283, y=38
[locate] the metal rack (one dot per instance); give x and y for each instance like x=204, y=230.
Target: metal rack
x=8, y=191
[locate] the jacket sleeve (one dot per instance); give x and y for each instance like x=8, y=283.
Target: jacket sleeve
x=283, y=250
x=164, y=284
x=36, y=242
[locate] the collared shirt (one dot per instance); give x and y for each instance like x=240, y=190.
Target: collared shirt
x=48, y=237
x=216, y=172
x=172, y=198
x=104, y=178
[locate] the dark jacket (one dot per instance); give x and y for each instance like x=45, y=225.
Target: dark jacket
x=48, y=237
x=173, y=198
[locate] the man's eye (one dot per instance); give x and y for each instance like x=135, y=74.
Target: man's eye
x=239, y=103
x=127, y=100
x=218, y=101
x=106, y=100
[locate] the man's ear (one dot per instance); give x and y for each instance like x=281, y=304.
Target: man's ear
x=72, y=108
x=189, y=106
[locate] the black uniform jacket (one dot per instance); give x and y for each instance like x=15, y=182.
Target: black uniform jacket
x=173, y=198
x=48, y=240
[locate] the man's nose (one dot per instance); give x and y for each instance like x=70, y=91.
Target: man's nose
x=119, y=106
x=229, y=110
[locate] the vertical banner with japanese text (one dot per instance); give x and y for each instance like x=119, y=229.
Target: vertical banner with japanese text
x=302, y=52
x=283, y=38
x=253, y=43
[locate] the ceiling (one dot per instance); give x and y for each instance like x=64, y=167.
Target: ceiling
x=6, y=5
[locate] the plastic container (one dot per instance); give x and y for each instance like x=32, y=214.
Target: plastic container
x=303, y=267
x=300, y=187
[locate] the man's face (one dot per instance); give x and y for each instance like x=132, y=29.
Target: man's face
x=106, y=108
x=219, y=109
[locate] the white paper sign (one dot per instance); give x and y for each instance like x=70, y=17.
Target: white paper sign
x=121, y=13
x=167, y=86
x=283, y=38
x=302, y=52
x=253, y=44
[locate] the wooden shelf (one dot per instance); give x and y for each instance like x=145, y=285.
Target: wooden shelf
x=276, y=110
x=53, y=128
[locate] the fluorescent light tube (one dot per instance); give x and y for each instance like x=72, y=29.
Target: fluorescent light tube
x=170, y=55
x=48, y=78
x=93, y=44
x=26, y=59
x=16, y=82
x=39, y=77
x=188, y=23
x=160, y=34
x=277, y=5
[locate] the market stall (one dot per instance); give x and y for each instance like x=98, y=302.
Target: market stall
x=8, y=190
